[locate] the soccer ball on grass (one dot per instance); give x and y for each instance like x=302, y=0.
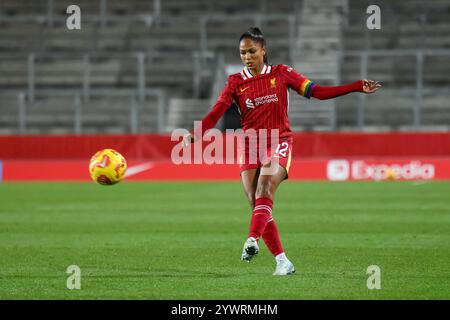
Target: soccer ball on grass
x=107, y=167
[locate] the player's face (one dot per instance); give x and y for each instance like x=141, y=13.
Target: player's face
x=252, y=54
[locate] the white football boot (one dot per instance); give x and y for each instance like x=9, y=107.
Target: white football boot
x=250, y=249
x=284, y=268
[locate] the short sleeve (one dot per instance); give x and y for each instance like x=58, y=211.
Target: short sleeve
x=296, y=81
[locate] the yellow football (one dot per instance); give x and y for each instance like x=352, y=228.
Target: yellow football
x=107, y=167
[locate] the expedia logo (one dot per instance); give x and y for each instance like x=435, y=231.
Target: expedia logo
x=249, y=103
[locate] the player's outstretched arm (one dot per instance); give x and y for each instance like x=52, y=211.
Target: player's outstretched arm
x=330, y=92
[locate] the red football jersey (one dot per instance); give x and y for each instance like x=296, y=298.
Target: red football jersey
x=263, y=100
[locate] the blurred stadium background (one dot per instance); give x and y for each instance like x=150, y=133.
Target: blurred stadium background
x=138, y=69
x=150, y=66
x=142, y=66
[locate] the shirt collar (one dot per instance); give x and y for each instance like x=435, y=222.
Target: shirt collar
x=246, y=74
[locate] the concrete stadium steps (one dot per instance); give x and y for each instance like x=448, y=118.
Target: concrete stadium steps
x=170, y=63
x=178, y=33
x=175, y=34
x=12, y=7
x=357, y=37
x=321, y=70
x=144, y=42
x=171, y=71
x=399, y=71
x=35, y=38
x=311, y=114
x=116, y=113
x=176, y=7
x=186, y=37
x=88, y=7
x=395, y=109
x=397, y=37
x=57, y=115
x=404, y=24
x=168, y=7
x=162, y=73
x=400, y=10
x=61, y=72
x=50, y=115
x=319, y=40
x=13, y=73
x=89, y=38
x=20, y=37
x=9, y=114
x=57, y=73
x=29, y=37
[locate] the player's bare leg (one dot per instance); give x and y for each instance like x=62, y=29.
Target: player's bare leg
x=249, y=180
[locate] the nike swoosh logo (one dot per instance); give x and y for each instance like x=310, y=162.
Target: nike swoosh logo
x=131, y=171
x=243, y=89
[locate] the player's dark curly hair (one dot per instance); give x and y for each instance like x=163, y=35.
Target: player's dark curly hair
x=257, y=36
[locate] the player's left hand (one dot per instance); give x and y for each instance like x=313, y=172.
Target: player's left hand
x=370, y=86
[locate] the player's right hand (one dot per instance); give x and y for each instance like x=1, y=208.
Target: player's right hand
x=188, y=139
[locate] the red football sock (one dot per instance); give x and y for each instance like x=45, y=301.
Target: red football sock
x=262, y=213
x=272, y=238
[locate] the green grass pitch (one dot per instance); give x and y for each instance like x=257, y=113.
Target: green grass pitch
x=183, y=240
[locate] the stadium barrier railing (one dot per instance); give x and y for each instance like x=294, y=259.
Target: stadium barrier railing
x=419, y=55
x=50, y=17
x=135, y=105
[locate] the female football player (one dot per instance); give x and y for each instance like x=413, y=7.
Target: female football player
x=261, y=93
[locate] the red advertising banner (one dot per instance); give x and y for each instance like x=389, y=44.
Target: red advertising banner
x=314, y=169
x=316, y=156
x=158, y=147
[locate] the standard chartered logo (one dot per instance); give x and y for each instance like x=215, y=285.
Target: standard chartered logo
x=249, y=103
x=266, y=99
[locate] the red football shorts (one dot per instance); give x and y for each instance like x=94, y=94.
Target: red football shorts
x=254, y=156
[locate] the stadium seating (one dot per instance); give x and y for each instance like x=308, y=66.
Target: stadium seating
x=170, y=48
x=405, y=25
x=181, y=46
